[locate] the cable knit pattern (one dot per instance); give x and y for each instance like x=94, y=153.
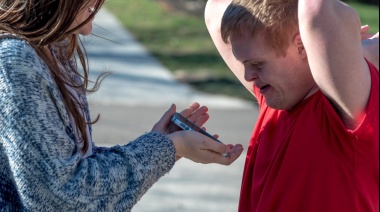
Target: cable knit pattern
x=40, y=167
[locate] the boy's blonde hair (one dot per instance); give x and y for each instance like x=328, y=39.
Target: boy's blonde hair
x=276, y=20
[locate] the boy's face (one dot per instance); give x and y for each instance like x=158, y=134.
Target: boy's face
x=283, y=81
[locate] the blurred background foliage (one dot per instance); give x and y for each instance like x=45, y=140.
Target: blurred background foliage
x=174, y=32
x=370, y=2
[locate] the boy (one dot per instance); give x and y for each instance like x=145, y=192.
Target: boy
x=315, y=144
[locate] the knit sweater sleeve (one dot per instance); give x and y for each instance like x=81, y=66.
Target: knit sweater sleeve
x=48, y=171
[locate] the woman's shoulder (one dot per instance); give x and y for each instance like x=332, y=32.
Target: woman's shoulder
x=20, y=61
x=14, y=48
x=16, y=54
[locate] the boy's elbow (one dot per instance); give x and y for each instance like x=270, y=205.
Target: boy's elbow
x=318, y=13
x=311, y=13
x=208, y=13
x=214, y=11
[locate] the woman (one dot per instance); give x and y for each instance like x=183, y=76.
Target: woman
x=48, y=161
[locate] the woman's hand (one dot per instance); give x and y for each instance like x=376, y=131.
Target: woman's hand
x=202, y=149
x=193, y=145
x=163, y=124
x=193, y=112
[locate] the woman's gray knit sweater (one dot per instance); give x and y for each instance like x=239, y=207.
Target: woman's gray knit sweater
x=40, y=166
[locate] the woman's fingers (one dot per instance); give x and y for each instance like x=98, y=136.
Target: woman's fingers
x=201, y=119
x=202, y=149
x=216, y=136
x=163, y=123
x=234, y=154
x=190, y=109
x=218, y=150
x=216, y=157
x=196, y=114
x=215, y=146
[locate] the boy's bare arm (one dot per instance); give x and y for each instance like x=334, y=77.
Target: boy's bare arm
x=330, y=31
x=213, y=16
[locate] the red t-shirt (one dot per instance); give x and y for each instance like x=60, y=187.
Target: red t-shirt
x=306, y=160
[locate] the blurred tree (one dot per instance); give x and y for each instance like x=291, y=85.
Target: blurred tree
x=372, y=2
x=190, y=7
x=196, y=7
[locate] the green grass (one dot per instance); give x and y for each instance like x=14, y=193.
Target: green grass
x=368, y=15
x=179, y=42
x=182, y=44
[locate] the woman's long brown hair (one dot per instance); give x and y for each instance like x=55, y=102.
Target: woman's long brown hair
x=45, y=23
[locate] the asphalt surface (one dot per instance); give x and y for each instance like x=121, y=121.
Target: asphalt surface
x=134, y=97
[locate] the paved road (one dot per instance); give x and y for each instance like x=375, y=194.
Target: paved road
x=136, y=95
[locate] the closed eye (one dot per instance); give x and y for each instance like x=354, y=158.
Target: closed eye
x=257, y=65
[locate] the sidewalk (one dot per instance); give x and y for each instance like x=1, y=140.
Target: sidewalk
x=137, y=78
x=136, y=95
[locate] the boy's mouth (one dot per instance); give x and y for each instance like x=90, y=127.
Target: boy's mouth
x=264, y=88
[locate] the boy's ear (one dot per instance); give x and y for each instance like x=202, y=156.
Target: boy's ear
x=297, y=41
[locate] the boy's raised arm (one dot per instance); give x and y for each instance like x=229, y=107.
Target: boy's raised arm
x=213, y=16
x=330, y=31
